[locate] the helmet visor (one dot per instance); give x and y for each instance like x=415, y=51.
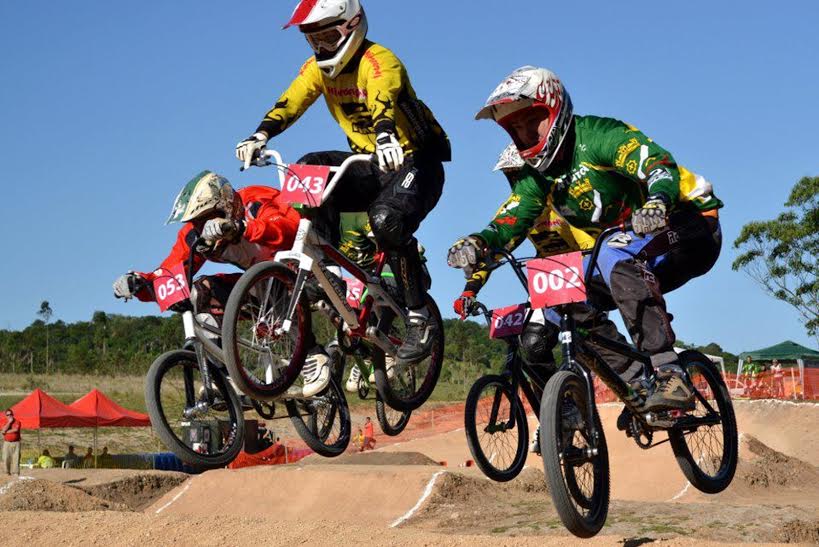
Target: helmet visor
x=529, y=128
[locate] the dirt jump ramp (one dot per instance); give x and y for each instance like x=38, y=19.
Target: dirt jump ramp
x=376, y=494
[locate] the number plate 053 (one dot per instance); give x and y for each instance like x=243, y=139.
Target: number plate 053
x=507, y=321
x=171, y=286
x=305, y=184
x=556, y=280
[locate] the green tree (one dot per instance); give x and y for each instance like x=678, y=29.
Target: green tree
x=45, y=314
x=781, y=254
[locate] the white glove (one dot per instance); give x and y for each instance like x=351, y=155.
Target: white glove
x=126, y=286
x=246, y=150
x=221, y=228
x=389, y=151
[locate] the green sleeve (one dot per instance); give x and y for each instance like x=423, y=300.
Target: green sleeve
x=632, y=154
x=517, y=215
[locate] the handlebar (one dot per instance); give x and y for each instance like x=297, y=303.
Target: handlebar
x=265, y=156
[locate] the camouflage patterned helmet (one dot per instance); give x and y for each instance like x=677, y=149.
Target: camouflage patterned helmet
x=205, y=194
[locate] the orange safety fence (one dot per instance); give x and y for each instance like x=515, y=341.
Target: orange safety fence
x=275, y=455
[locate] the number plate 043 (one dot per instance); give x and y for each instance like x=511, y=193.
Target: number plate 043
x=304, y=184
x=171, y=286
x=507, y=321
x=556, y=280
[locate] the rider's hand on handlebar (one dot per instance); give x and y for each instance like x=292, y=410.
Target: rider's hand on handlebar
x=247, y=150
x=466, y=252
x=126, y=286
x=651, y=217
x=463, y=304
x=389, y=152
x=217, y=229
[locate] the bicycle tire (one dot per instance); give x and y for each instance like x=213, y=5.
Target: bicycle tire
x=382, y=412
x=315, y=434
x=421, y=388
x=473, y=437
x=159, y=420
x=246, y=380
x=691, y=465
x=582, y=514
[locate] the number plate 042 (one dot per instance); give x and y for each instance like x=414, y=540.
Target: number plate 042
x=171, y=286
x=304, y=184
x=556, y=280
x=507, y=321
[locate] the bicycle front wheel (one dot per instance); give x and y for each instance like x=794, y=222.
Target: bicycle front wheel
x=323, y=421
x=577, y=474
x=263, y=360
x=202, y=434
x=497, y=431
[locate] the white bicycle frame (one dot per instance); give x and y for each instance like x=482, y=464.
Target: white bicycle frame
x=307, y=253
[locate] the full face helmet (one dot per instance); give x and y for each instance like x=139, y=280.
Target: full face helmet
x=533, y=106
x=335, y=29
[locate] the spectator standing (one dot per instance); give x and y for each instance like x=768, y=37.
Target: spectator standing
x=778, y=379
x=106, y=460
x=11, y=444
x=369, y=435
x=358, y=440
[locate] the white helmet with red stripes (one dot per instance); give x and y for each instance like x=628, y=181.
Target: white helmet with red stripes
x=335, y=29
x=532, y=105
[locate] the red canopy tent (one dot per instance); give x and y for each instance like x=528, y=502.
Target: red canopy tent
x=107, y=413
x=39, y=410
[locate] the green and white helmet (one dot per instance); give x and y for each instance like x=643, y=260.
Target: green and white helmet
x=205, y=194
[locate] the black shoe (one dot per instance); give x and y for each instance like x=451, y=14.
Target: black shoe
x=672, y=392
x=417, y=344
x=624, y=420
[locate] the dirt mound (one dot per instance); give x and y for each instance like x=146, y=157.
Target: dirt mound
x=137, y=492
x=373, y=458
x=768, y=468
x=799, y=531
x=42, y=495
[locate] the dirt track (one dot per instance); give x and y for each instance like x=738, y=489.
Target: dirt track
x=392, y=498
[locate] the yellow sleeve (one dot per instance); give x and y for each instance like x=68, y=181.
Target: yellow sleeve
x=302, y=93
x=386, y=78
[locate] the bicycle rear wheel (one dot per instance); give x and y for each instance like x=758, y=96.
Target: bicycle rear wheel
x=578, y=478
x=410, y=385
x=392, y=421
x=262, y=360
x=497, y=431
x=323, y=421
x=707, y=454
x=176, y=400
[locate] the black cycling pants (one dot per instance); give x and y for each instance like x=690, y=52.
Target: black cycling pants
x=396, y=203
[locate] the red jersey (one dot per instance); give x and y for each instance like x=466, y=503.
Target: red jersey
x=13, y=433
x=270, y=226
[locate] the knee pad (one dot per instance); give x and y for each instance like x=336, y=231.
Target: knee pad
x=388, y=228
x=537, y=342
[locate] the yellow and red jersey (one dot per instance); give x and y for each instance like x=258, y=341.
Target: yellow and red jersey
x=372, y=95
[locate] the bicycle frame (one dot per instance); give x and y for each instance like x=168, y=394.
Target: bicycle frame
x=308, y=249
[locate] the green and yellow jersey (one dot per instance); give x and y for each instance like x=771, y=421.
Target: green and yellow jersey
x=612, y=169
x=372, y=95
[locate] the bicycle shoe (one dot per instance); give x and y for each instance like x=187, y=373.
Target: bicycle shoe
x=534, y=447
x=352, y=382
x=316, y=372
x=418, y=341
x=389, y=364
x=671, y=392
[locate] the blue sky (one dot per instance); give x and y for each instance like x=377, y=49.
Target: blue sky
x=108, y=108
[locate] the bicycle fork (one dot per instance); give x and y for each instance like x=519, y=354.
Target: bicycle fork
x=567, y=327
